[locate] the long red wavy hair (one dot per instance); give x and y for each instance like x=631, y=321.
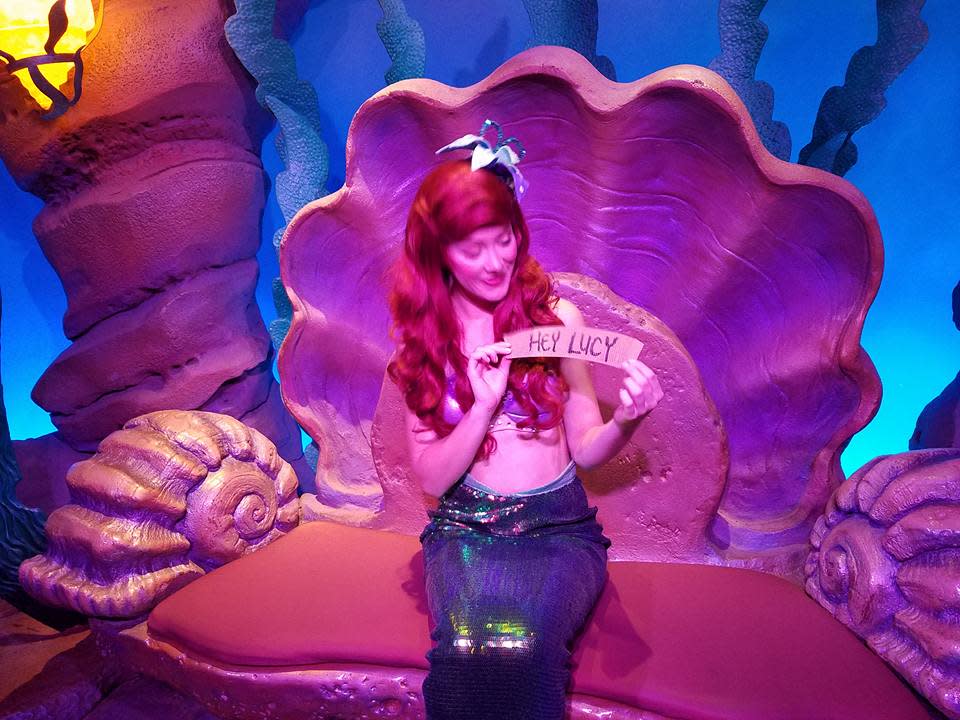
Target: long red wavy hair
x=452, y=202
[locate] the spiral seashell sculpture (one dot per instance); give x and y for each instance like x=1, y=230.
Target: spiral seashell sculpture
x=886, y=563
x=167, y=498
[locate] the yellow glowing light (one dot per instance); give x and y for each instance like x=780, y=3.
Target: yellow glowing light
x=24, y=31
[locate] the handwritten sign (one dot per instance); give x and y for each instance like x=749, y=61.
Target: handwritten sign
x=579, y=343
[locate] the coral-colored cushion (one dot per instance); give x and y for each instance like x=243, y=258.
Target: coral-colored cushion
x=322, y=593
x=689, y=641
x=698, y=641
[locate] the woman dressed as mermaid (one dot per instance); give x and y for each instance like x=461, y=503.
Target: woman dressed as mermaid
x=514, y=557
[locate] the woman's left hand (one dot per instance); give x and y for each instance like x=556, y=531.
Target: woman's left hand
x=639, y=394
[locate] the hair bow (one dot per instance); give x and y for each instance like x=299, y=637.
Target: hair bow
x=496, y=157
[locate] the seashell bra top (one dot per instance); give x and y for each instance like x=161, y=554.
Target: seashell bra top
x=507, y=415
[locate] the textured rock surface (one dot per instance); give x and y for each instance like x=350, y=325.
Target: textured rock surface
x=146, y=699
x=154, y=190
x=659, y=188
x=167, y=498
x=886, y=563
x=46, y=674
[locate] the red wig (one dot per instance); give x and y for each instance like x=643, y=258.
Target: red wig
x=452, y=202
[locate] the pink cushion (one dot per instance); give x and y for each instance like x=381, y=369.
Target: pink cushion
x=699, y=641
x=691, y=641
x=322, y=593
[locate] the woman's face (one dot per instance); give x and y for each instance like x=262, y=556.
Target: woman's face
x=482, y=262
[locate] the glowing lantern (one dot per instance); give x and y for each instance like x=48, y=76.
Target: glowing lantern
x=40, y=43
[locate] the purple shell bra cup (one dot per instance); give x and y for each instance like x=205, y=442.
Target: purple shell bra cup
x=508, y=414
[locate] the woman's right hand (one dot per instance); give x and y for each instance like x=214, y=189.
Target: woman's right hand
x=488, y=373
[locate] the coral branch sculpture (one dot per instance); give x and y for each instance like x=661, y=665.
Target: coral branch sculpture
x=901, y=35
x=403, y=39
x=569, y=23
x=293, y=102
x=165, y=499
x=886, y=563
x=742, y=37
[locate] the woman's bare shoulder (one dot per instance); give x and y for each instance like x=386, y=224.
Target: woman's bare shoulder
x=568, y=313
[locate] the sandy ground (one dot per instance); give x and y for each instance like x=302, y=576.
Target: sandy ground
x=27, y=645
x=55, y=671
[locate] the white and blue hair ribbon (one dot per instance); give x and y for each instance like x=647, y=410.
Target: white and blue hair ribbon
x=500, y=155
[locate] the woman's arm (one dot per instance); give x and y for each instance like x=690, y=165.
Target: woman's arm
x=593, y=442
x=439, y=462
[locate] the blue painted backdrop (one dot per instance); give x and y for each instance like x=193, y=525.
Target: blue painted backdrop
x=908, y=167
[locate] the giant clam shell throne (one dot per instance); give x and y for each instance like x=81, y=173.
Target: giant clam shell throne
x=661, y=190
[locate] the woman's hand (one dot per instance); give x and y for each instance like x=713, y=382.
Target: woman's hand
x=639, y=394
x=488, y=372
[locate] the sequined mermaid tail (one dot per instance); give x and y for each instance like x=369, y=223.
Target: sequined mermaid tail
x=510, y=581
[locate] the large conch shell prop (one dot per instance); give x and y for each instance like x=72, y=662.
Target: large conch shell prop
x=167, y=498
x=886, y=563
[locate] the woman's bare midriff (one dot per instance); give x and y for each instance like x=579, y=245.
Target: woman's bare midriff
x=523, y=460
